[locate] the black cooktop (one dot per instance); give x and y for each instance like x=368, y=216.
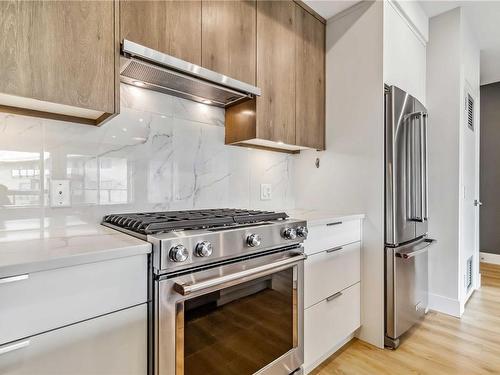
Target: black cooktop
x=156, y=222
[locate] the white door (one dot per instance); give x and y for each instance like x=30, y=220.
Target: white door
x=469, y=242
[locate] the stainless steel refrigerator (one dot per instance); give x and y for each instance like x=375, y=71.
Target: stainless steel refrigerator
x=406, y=213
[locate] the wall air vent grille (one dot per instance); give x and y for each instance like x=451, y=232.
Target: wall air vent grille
x=469, y=273
x=470, y=112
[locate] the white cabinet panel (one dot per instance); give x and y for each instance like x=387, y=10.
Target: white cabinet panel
x=329, y=322
x=323, y=237
x=327, y=273
x=51, y=299
x=113, y=344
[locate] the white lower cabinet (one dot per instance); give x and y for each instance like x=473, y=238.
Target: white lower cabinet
x=42, y=301
x=113, y=344
x=328, y=323
x=330, y=271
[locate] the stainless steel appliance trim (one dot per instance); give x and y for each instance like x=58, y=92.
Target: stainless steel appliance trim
x=134, y=49
x=407, y=255
x=408, y=170
x=411, y=165
x=18, y=345
x=174, y=91
x=168, y=338
x=426, y=166
x=334, y=249
x=334, y=296
x=406, y=285
x=422, y=167
x=221, y=282
x=12, y=279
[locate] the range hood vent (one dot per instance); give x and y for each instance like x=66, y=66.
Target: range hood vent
x=147, y=68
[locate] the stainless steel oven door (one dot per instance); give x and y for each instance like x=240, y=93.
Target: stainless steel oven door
x=241, y=318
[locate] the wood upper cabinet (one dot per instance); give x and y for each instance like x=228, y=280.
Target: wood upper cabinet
x=309, y=80
x=229, y=38
x=276, y=71
x=172, y=27
x=290, y=113
x=57, y=53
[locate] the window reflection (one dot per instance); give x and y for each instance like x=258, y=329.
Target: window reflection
x=113, y=180
x=20, y=180
x=25, y=176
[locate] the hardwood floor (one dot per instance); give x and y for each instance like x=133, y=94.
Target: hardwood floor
x=439, y=345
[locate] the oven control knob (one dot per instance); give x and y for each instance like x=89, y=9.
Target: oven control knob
x=179, y=253
x=253, y=240
x=302, y=232
x=203, y=249
x=290, y=234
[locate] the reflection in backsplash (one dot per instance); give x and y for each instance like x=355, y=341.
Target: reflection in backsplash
x=160, y=153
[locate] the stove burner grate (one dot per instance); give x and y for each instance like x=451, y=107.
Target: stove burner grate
x=156, y=222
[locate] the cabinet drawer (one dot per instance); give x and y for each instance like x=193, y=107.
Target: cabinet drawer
x=327, y=323
x=113, y=344
x=46, y=300
x=329, y=272
x=322, y=237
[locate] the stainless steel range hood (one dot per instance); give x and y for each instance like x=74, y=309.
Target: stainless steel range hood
x=148, y=68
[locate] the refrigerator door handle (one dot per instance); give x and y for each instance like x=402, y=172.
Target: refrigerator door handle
x=422, y=167
x=407, y=255
x=411, y=168
x=426, y=166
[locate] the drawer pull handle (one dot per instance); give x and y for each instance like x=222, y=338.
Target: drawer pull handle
x=16, y=346
x=12, y=279
x=334, y=223
x=335, y=296
x=334, y=249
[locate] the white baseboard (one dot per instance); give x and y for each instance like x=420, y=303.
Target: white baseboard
x=489, y=258
x=308, y=367
x=445, y=305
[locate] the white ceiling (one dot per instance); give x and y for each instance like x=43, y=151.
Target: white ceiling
x=329, y=8
x=483, y=16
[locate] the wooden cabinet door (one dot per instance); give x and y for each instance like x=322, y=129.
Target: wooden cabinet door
x=229, y=38
x=144, y=22
x=171, y=26
x=310, y=80
x=59, y=51
x=276, y=71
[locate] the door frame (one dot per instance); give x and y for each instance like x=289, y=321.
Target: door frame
x=468, y=89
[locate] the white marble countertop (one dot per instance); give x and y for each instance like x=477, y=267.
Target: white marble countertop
x=320, y=217
x=26, y=251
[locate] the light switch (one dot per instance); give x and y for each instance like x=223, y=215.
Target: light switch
x=60, y=193
x=266, y=192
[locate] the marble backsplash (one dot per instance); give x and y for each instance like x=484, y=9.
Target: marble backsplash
x=160, y=153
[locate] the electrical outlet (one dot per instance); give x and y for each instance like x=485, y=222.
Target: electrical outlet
x=266, y=192
x=60, y=193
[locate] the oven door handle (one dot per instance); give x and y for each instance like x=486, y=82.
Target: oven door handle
x=237, y=277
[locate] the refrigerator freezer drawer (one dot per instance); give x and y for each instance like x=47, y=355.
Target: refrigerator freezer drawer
x=406, y=286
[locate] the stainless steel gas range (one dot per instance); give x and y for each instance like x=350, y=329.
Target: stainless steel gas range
x=226, y=290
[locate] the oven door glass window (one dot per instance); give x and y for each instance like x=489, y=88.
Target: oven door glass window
x=238, y=330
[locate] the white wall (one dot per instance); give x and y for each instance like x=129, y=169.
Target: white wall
x=404, y=49
x=469, y=157
x=443, y=102
x=350, y=178
x=452, y=60
x=160, y=153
